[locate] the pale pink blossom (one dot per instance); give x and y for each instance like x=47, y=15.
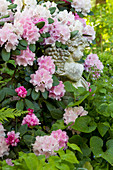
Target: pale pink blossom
x=30, y=120
x=89, y=32
x=71, y=114
x=93, y=64
x=61, y=136
x=9, y=162
x=82, y=6
x=45, y=145
x=42, y=80
x=2, y=130
x=8, y=37
x=12, y=138
x=21, y=91
x=31, y=32
x=4, y=148
x=57, y=92
x=25, y=58
x=47, y=63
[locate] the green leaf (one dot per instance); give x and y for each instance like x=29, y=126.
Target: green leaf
x=5, y=16
x=45, y=94
x=69, y=156
x=84, y=124
x=16, y=52
x=56, y=113
x=55, y=81
x=29, y=104
x=52, y=10
x=74, y=147
x=69, y=87
x=102, y=129
x=74, y=33
x=35, y=95
x=59, y=124
x=20, y=105
x=32, y=47
x=5, y=55
x=58, y=44
x=23, y=42
x=102, y=91
x=40, y=24
x=29, y=92
x=2, y=95
x=2, y=23
x=28, y=139
x=96, y=144
x=90, y=13
x=23, y=129
x=103, y=109
x=12, y=6
x=50, y=20
x=21, y=47
x=9, y=91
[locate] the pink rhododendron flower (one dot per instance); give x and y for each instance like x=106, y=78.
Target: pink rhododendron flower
x=9, y=162
x=47, y=63
x=30, y=120
x=45, y=145
x=25, y=58
x=57, y=92
x=71, y=114
x=93, y=64
x=61, y=136
x=21, y=91
x=12, y=138
x=31, y=32
x=42, y=80
x=83, y=21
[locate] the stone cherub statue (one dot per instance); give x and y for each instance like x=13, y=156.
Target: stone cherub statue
x=66, y=60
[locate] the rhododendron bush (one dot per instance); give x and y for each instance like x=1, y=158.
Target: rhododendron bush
x=45, y=121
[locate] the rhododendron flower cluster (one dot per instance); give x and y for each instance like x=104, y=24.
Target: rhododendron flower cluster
x=21, y=91
x=93, y=64
x=88, y=30
x=82, y=6
x=25, y=58
x=12, y=138
x=47, y=63
x=30, y=119
x=8, y=35
x=61, y=136
x=3, y=7
x=71, y=114
x=48, y=144
x=30, y=31
x=42, y=79
x=57, y=92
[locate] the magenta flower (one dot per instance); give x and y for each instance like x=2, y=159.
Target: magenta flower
x=12, y=138
x=9, y=162
x=30, y=120
x=21, y=91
